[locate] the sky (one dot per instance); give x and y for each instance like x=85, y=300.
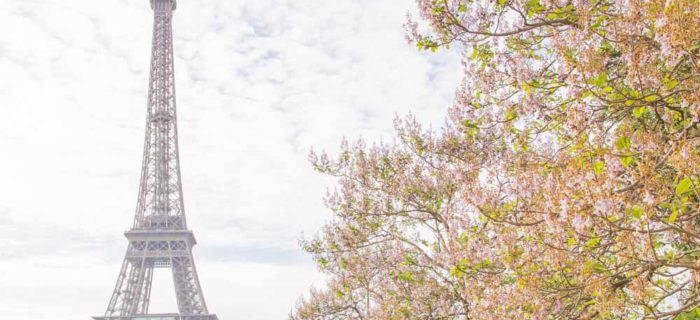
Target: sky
x=259, y=83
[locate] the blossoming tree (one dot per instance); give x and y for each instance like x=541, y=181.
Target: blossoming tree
x=565, y=184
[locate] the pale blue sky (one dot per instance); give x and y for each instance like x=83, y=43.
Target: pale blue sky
x=259, y=83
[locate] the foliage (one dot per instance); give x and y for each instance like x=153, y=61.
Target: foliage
x=564, y=185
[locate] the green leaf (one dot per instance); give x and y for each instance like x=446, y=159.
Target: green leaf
x=670, y=255
x=458, y=271
x=509, y=206
x=670, y=84
x=593, y=266
x=600, y=80
x=690, y=315
x=407, y=277
x=592, y=242
x=651, y=98
x=597, y=22
x=667, y=206
x=426, y=43
x=673, y=216
x=462, y=8
x=636, y=212
x=622, y=143
x=463, y=238
x=322, y=262
x=533, y=6
x=683, y=186
x=638, y=111
x=510, y=114
x=598, y=167
x=629, y=102
x=626, y=161
x=599, y=268
x=526, y=88
x=571, y=241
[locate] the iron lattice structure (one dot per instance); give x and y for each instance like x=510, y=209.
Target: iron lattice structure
x=159, y=237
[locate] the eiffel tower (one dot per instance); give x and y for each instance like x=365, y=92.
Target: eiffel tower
x=159, y=237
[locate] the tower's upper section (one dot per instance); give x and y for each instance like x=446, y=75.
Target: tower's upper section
x=160, y=203
x=163, y=5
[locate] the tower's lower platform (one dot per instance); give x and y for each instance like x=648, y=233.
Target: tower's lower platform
x=165, y=316
x=148, y=250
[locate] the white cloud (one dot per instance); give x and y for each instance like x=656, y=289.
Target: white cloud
x=258, y=82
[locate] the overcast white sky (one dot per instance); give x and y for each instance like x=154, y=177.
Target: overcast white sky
x=259, y=83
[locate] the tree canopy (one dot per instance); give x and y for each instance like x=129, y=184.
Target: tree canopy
x=564, y=184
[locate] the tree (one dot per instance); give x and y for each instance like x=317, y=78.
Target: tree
x=564, y=185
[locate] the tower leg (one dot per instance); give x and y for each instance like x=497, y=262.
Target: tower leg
x=187, y=289
x=118, y=294
x=133, y=289
x=146, y=292
x=142, y=289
